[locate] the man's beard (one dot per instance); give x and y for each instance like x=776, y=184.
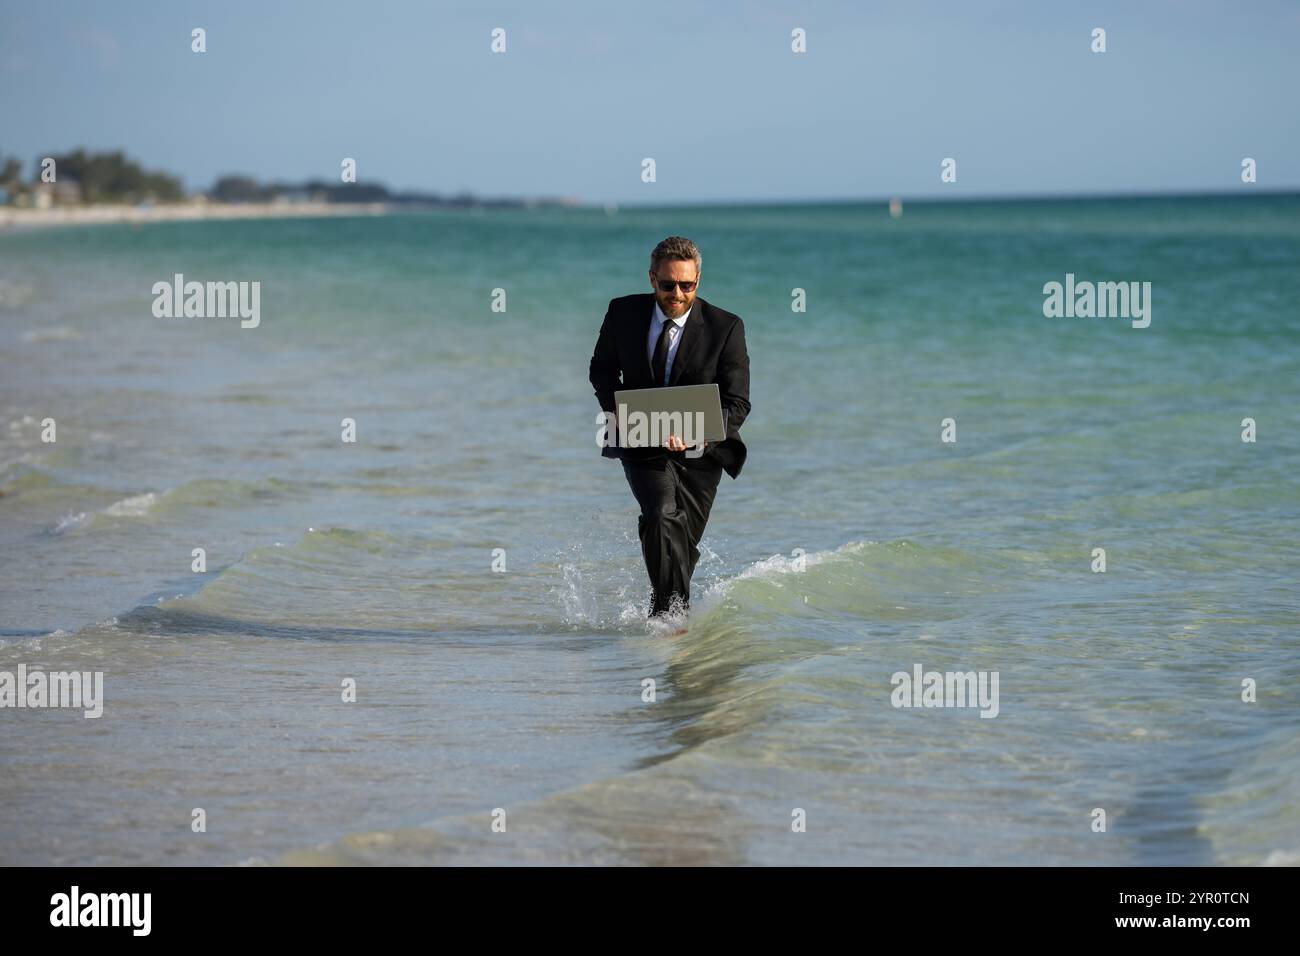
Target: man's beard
x=673, y=310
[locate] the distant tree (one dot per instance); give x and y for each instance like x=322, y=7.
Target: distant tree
x=111, y=177
x=239, y=189
x=358, y=192
x=10, y=173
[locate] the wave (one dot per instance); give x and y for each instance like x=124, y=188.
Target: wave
x=132, y=507
x=39, y=487
x=341, y=582
x=736, y=692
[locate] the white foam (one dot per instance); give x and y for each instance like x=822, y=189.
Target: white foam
x=1282, y=858
x=579, y=602
x=781, y=564
x=675, y=619
x=771, y=568
x=70, y=521
x=132, y=507
x=632, y=614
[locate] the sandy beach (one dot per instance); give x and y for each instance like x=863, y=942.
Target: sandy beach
x=15, y=217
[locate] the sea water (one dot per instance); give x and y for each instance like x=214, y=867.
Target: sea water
x=469, y=565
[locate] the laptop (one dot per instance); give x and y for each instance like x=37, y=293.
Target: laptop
x=702, y=403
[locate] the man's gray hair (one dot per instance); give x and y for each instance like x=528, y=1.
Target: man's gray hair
x=676, y=247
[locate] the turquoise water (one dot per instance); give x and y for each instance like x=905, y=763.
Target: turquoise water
x=854, y=545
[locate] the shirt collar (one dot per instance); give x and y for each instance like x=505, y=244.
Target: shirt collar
x=660, y=318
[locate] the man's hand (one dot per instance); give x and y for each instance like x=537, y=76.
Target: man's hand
x=676, y=444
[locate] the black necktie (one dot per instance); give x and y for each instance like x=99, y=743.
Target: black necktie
x=660, y=364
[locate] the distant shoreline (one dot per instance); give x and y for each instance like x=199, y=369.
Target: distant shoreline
x=12, y=217
x=181, y=212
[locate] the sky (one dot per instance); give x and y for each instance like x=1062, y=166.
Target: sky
x=711, y=91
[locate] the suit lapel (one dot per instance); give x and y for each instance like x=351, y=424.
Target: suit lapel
x=690, y=332
x=643, y=332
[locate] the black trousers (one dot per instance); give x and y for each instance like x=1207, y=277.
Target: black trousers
x=675, y=500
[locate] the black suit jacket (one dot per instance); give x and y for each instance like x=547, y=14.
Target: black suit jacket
x=712, y=349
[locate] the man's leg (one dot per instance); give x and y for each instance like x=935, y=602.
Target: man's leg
x=659, y=525
x=696, y=489
x=675, y=503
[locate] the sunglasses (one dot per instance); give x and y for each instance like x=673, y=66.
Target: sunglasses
x=667, y=285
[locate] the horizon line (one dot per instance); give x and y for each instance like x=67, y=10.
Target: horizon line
x=941, y=200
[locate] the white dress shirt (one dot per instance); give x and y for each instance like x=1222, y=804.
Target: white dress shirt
x=674, y=338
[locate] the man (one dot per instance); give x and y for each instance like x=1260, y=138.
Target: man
x=671, y=337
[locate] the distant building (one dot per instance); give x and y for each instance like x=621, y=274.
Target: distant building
x=63, y=193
